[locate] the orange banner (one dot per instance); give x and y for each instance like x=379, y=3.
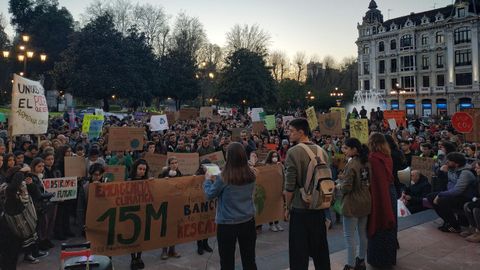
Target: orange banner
x=399, y=116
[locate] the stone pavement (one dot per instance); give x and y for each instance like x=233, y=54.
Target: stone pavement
x=422, y=247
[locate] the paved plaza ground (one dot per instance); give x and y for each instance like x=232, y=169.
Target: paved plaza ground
x=422, y=247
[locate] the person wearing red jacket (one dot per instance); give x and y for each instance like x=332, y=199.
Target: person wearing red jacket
x=382, y=229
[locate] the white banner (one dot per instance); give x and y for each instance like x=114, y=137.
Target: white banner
x=256, y=114
x=158, y=122
x=63, y=188
x=29, y=107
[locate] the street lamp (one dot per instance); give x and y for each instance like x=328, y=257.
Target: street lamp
x=24, y=54
x=206, y=74
x=398, y=91
x=338, y=94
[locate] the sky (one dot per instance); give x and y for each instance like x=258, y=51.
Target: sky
x=316, y=27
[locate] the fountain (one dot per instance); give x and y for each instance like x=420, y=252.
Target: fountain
x=370, y=99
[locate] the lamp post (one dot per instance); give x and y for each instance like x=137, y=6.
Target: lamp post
x=338, y=94
x=24, y=53
x=397, y=91
x=206, y=74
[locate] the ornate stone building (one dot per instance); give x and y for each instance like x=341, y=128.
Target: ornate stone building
x=426, y=63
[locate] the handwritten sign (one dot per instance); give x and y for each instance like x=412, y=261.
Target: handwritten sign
x=159, y=122
x=359, y=129
x=312, y=118
x=156, y=163
x=188, y=114
x=474, y=136
x=424, y=165
x=87, y=118
x=286, y=120
x=343, y=113
x=270, y=122
x=330, y=123
x=114, y=173
x=206, y=112
x=258, y=127
x=257, y=114
x=75, y=167
x=398, y=115
x=125, y=139
x=63, y=188
x=95, y=129
x=216, y=158
x=188, y=163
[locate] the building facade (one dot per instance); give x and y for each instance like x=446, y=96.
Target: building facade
x=426, y=63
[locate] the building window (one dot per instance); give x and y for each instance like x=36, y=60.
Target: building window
x=424, y=40
x=394, y=83
x=439, y=37
x=461, y=12
x=366, y=49
x=408, y=82
x=462, y=35
x=393, y=44
x=366, y=68
x=463, y=58
x=393, y=65
x=440, y=80
x=366, y=83
x=425, y=62
x=440, y=60
x=407, y=63
x=381, y=67
x=382, y=84
x=381, y=46
x=426, y=81
x=406, y=42
x=462, y=79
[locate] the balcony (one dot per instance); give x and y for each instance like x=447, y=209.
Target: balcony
x=439, y=89
x=424, y=90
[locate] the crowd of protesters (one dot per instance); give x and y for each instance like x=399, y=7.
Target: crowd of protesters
x=367, y=179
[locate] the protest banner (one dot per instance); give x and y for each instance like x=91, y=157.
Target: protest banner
x=286, y=120
x=473, y=136
x=29, y=114
x=63, y=189
x=171, y=118
x=188, y=163
x=312, y=118
x=398, y=115
x=206, y=112
x=158, y=122
x=424, y=165
x=156, y=163
x=95, y=129
x=392, y=123
x=188, y=114
x=87, y=118
x=359, y=129
x=258, y=127
x=217, y=119
x=462, y=122
x=114, y=173
x=165, y=212
x=270, y=122
x=330, y=124
x=256, y=114
x=125, y=139
x=343, y=114
x=75, y=166
x=3, y=118
x=216, y=158
x=99, y=112
x=271, y=146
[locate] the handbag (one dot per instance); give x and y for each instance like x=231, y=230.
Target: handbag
x=23, y=225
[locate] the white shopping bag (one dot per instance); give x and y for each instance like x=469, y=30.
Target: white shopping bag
x=402, y=210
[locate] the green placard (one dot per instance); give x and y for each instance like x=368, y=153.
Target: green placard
x=270, y=122
x=3, y=119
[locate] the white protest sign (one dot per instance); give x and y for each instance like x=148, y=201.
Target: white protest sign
x=256, y=114
x=99, y=112
x=63, y=188
x=158, y=122
x=29, y=107
x=392, y=123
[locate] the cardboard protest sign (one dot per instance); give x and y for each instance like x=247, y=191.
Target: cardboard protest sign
x=95, y=129
x=474, y=135
x=359, y=129
x=343, y=114
x=3, y=119
x=286, y=120
x=424, y=165
x=156, y=163
x=166, y=212
x=256, y=117
x=29, y=114
x=63, y=188
x=187, y=114
x=206, y=112
x=75, y=167
x=87, y=119
x=158, y=122
x=270, y=122
x=312, y=118
x=462, y=122
x=399, y=116
x=125, y=138
x=262, y=154
x=217, y=119
x=392, y=123
x=330, y=124
x=188, y=163
x=216, y=158
x=258, y=127
x=114, y=173
x=170, y=117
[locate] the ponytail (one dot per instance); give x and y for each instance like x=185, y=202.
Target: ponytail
x=361, y=148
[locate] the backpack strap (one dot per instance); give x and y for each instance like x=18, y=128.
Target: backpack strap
x=311, y=165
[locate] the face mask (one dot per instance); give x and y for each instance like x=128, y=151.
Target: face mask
x=274, y=160
x=412, y=183
x=40, y=175
x=440, y=153
x=172, y=173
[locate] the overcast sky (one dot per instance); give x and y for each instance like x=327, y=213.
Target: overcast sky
x=316, y=27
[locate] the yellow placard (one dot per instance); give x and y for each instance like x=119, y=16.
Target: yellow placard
x=312, y=118
x=359, y=129
x=343, y=114
x=87, y=118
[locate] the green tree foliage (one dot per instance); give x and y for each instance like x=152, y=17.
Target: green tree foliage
x=5, y=66
x=291, y=94
x=246, y=77
x=100, y=62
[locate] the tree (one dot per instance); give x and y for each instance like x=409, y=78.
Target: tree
x=299, y=61
x=291, y=94
x=278, y=61
x=188, y=36
x=247, y=37
x=5, y=66
x=246, y=77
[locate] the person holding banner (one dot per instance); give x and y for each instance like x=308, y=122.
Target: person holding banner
x=95, y=173
x=139, y=172
x=64, y=208
x=235, y=217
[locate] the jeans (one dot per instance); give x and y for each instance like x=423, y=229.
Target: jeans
x=227, y=236
x=472, y=211
x=308, y=238
x=350, y=226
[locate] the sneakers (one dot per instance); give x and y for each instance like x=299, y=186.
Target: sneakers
x=137, y=264
x=174, y=254
x=348, y=267
x=474, y=238
x=273, y=228
x=30, y=259
x=279, y=228
x=206, y=247
x=164, y=255
x=40, y=254
x=360, y=264
x=469, y=231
